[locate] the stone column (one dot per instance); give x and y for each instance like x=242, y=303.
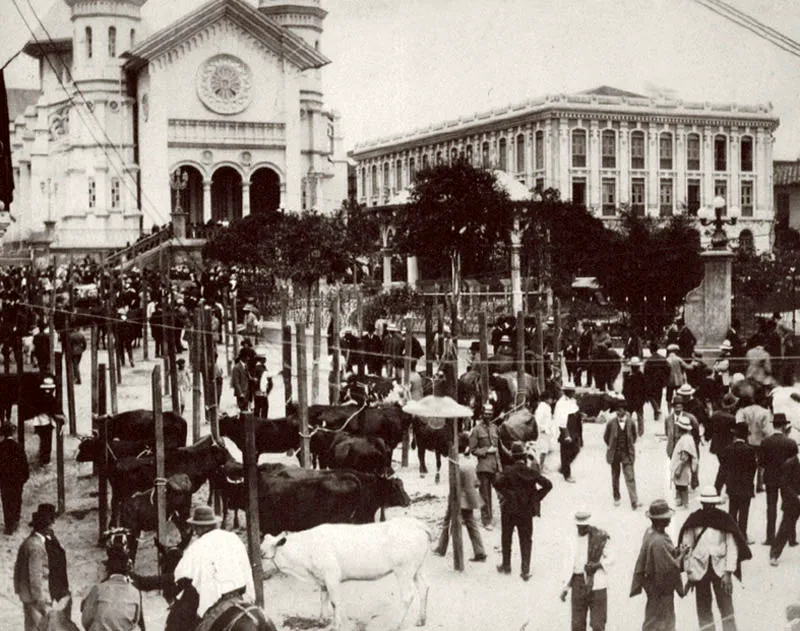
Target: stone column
x=708, y=307
x=708, y=166
x=550, y=166
x=734, y=168
x=762, y=155
x=563, y=159
x=593, y=152
x=680, y=169
x=412, y=272
x=653, y=165
x=206, y=201
x=623, y=164
x=529, y=157
x=245, y=199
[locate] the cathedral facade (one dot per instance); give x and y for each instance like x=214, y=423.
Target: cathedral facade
x=220, y=113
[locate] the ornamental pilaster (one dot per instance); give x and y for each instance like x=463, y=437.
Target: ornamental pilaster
x=680, y=166
x=708, y=166
x=624, y=163
x=594, y=164
x=763, y=157
x=562, y=184
x=653, y=187
x=206, y=201
x=734, y=167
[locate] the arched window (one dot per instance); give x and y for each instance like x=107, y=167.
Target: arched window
x=665, y=151
x=539, y=150
x=398, y=175
x=637, y=150
x=485, y=155
x=502, y=158
x=520, y=153
x=424, y=160
x=469, y=154
x=412, y=169
x=609, y=147
x=374, y=180
x=578, y=147
x=438, y=157
x=385, y=181
x=746, y=241
x=746, y=153
x=720, y=153
x=133, y=37
x=112, y=41
x=88, y=42
x=453, y=155
x=693, y=152
x=363, y=182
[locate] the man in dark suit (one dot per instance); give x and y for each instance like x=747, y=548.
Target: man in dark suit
x=240, y=382
x=14, y=472
x=31, y=571
x=776, y=449
x=738, y=462
x=620, y=438
x=790, y=494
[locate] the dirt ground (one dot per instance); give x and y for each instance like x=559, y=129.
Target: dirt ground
x=478, y=598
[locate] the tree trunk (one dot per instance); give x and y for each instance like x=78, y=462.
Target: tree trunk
x=455, y=269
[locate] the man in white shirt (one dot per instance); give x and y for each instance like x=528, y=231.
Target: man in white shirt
x=567, y=419
x=216, y=563
x=716, y=551
x=588, y=559
x=548, y=430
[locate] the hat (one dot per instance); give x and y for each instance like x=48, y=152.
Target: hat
x=697, y=355
x=709, y=495
x=488, y=408
x=726, y=346
x=43, y=517
x=736, y=378
x=659, y=509
x=203, y=516
x=550, y=320
x=582, y=517
x=517, y=449
x=741, y=430
x=505, y=339
x=390, y=326
x=673, y=347
x=7, y=430
x=729, y=401
x=779, y=419
x=48, y=383
x=686, y=390
x=618, y=401
x=684, y=424
x=635, y=361
x=475, y=347
x=180, y=361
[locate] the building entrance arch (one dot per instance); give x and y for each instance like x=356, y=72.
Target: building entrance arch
x=226, y=194
x=265, y=191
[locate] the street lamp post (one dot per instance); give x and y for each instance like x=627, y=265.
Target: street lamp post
x=178, y=181
x=719, y=238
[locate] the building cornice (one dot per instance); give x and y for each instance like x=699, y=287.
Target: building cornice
x=573, y=107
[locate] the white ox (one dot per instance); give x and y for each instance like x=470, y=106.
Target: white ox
x=331, y=554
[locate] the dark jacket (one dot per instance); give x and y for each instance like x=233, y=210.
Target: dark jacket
x=634, y=389
x=790, y=485
x=521, y=489
x=656, y=371
x=719, y=428
x=738, y=464
x=14, y=470
x=776, y=449
x=611, y=434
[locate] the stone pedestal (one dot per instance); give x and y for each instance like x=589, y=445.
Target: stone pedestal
x=708, y=306
x=179, y=224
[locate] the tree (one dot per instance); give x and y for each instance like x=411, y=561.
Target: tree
x=457, y=213
x=362, y=234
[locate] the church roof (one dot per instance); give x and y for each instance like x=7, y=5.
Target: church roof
x=265, y=30
x=19, y=100
x=607, y=90
x=55, y=32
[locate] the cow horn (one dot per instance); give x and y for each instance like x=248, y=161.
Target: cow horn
x=230, y=480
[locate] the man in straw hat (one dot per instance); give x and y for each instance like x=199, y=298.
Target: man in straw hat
x=683, y=461
x=776, y=449
x=48, y=417
x=658, y=570
x=716, y=549
x=738, y=471
x=567, y=417
x=521, y=490
x=215, y=563
x=587, y=560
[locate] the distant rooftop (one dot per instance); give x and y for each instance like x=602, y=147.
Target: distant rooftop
x=786, y=172
x=607, y=90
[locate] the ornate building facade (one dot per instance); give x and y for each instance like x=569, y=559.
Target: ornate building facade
x=229, y=95
x=604, y=148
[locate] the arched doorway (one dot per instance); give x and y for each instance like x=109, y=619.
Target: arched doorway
x=191, y=196
x=226, y=194
x=265, y=191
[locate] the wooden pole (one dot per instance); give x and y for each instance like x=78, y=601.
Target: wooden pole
x=102, y=468
x=226, y=336
x=316, y=352
x=146, y=322
x=198, y=351
x=235, y=327
x=406, y=380
x=286, y=349
x=60, y=489
x=362, y=343
x=160, y=482
x=455, y=499
x=452, y=374
x=210, y=366
x=520, y=331
x=51, y=321
x=558, y=374
x=95, y=341
x=540, y=348
x=336, y=377
x=111, y=344
x=173, y=366
x=302, y=393
x=430, y=352
x=483, y=341
x=253, y=524
x=70, y=379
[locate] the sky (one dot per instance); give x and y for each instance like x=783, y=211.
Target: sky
x=401, y=65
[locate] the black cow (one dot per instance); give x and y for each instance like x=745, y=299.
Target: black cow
x=140, y=424
x=90, y=449
x=298, y=499
x=130, y=475
x=139, y=513
x=428, y=438
x=273, y=436
x=592, y=403
x=229, y=481
x=359, y=453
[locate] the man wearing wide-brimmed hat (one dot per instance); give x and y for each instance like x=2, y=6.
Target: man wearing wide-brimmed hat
x=683, y=461
x=567, y=416
x=586, y=565
x=658, y=570
x=738, y=471
x=776, y=449
x=716, y=551
x=216, y=563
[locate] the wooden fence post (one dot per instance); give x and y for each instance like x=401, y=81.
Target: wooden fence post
x=540, y=348
x=70, y=380
x=160, y=482
x=102, y=469
x=111, y=345
x=302, y=393
x=430, y=351
x=335, y=376
x=520, y=331
x=406, y=380
x=483, y=341
x=58, y=371
x=455, y=498
x=286, y=351
x=198, y=353
x=173, y=364
x=317, y=351
x=253, y=522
